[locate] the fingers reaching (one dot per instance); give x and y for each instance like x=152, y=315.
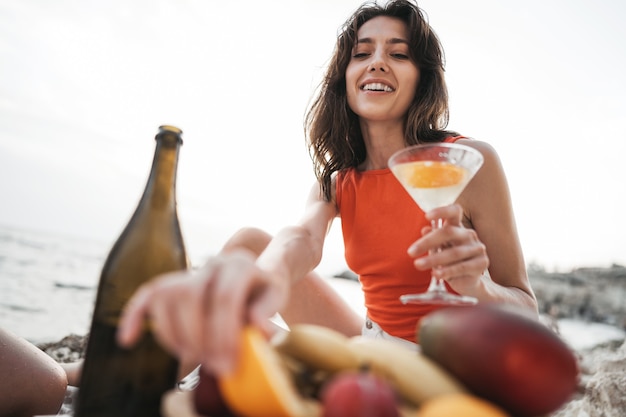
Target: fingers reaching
x=133, y=317
x=198, y=316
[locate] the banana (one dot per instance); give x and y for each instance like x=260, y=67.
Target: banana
x=415, y=377
x=318, y=347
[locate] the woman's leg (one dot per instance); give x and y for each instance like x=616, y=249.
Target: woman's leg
x=314, y=301
x=31, y=382
x=73, y=371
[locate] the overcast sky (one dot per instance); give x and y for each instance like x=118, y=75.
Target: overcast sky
x=84, y=86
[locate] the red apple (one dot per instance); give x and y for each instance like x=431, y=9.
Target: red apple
x=355, y=394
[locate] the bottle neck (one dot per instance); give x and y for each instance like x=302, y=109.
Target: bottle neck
x=160, y=192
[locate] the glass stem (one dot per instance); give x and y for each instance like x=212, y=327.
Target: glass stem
x=436, y=284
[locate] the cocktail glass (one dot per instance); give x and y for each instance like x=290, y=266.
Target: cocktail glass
x=434, y=175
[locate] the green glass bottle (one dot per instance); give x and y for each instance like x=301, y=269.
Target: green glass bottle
x=119, y=382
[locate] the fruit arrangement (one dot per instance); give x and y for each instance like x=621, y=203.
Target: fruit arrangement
x=476, y=361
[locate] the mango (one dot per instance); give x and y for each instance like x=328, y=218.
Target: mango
x=503, y=356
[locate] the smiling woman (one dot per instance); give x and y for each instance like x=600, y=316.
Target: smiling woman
x=352, y=132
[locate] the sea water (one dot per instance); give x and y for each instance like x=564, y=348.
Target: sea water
x=48, y=284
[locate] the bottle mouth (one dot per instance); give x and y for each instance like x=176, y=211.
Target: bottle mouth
x=170, y=128
x=172, y=131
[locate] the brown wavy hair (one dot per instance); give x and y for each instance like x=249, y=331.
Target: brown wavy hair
x=332, y=129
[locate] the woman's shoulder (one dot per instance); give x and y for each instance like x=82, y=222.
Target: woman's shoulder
x=484, y=147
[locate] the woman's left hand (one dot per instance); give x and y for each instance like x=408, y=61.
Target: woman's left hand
x=453, y=252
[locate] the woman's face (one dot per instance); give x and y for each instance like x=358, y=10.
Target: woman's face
x=381, y=79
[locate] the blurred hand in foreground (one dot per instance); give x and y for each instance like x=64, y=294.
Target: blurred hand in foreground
x=198, y=315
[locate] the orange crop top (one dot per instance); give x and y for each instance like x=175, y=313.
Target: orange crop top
x=379, y=222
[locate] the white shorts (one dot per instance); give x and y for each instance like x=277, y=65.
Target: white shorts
x=372, y=330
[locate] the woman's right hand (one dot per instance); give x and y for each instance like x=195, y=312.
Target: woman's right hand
x=198, y=315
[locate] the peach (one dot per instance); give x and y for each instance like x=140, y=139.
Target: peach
x=355, y=394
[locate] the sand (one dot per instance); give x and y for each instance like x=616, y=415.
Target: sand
x=602, y=389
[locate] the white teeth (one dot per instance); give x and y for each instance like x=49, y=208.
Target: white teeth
x=377, y=87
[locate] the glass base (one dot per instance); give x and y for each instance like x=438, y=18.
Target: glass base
x=438, y=297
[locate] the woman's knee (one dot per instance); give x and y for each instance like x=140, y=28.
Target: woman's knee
x=51, y=388
x=251, y=238
x=37, y=383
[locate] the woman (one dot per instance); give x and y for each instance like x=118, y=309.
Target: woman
x=384, y=90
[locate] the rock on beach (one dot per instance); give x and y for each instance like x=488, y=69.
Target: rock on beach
x=592, y=294
x=69, y=349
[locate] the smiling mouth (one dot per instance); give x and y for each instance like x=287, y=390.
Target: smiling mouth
x=377, y=87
